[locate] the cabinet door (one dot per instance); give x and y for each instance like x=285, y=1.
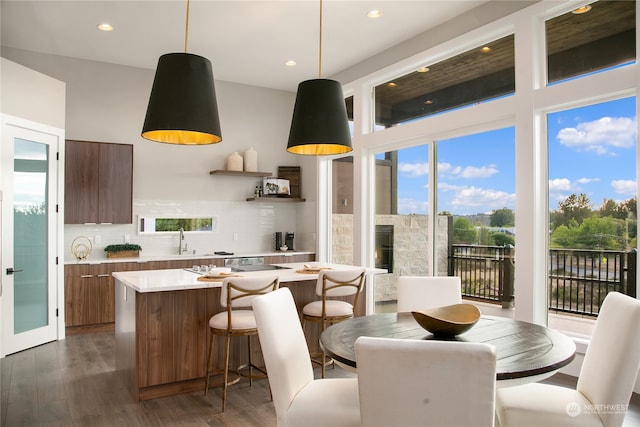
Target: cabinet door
x=115, y=188
x=81, y=182
x=101, y=298
x=89, y=295
x=78, y=282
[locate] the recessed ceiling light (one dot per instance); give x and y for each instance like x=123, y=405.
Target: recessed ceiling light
x=392, y=84
x=428, y=102
x=422, y=69
x=485, y=49
x=290, y=63
x=375, y=13
x=581, y=10
x=105, y=27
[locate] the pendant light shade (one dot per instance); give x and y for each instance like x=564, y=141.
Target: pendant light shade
x=319, y=125
x=182, y=107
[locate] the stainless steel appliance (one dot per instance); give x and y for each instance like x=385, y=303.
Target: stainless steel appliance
x=250, y=264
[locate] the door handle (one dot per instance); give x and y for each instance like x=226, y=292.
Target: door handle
x=11, y=270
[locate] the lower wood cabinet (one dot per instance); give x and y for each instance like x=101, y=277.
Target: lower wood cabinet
x=89, y=288
x=89, y=297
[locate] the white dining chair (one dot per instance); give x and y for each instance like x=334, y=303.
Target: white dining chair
x=425, y=382
x=416, y=293
x=299, y=399
x=605, y=383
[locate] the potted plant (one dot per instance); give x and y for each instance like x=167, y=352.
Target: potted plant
x=124, y=250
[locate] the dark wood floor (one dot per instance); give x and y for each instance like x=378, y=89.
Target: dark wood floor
x=73, y=383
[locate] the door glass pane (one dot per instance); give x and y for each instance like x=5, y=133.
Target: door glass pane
x=30, y=179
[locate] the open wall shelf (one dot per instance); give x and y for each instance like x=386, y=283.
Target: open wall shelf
x=239, y=173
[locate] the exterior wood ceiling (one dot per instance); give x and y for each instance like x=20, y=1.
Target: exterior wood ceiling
x=576, y=44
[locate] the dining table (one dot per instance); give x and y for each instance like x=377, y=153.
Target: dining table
x=525, y=352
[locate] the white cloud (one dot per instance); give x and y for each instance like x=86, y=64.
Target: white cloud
x=414, y=169
x=444, y=186
x=559, y=184
x=482, y=197
x=481, y=172
x=600, y=135
x=467, y=172
x=624, y=186
x=587, y=180
x=412, y=206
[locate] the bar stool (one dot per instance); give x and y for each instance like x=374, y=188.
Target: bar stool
x=236, y=296
x=333, y=284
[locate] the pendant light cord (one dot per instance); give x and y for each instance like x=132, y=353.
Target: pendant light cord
x=186, y=29
x=320, y=46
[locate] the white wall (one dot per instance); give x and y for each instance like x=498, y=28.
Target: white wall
x=31, y=95
x=107, y=103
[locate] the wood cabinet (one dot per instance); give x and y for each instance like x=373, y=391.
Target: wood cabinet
x=98, y=183
x=89, y=297
x=89, y=291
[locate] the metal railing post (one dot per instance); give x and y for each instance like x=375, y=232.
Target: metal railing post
x=632, y=260
x=506, y=282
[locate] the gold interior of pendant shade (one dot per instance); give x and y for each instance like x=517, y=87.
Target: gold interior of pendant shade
x=182, y=106
x=182, y=137
x=319, y=149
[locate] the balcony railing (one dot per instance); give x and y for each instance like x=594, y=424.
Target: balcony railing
x=578, y=279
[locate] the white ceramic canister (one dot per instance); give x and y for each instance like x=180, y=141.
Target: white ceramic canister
x=251, y=160
x=234, y=162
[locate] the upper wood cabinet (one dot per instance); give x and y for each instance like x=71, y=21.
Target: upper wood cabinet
x=98, y=183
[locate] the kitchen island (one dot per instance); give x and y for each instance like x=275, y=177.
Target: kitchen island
x=162, y=326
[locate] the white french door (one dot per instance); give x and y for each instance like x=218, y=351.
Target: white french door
x=30, y=232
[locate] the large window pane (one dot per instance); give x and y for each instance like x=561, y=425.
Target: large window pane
x=402, y=229
x=476, y=199
x=592, y=198
x=592, y=38
x=480, y=74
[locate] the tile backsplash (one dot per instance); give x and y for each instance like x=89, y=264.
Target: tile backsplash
x=254, y=225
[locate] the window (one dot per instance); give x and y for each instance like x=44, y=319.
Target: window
x=593, y=204
x=480, y=74
x=594, y=37
x=476, y=204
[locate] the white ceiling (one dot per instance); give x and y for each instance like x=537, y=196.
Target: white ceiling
x=246, y=41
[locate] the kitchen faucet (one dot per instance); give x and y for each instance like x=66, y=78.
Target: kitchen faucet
x=180, y=248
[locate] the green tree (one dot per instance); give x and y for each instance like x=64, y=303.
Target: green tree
x=463, y=231
x=484, y=237
x=502, y=218
x=573, y=208
x=501, y=239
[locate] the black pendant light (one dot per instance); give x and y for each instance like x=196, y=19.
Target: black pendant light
x=319, y=125
x=182, y=106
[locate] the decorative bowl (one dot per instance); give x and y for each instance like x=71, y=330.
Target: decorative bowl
x=284, y=248
x=448, y=321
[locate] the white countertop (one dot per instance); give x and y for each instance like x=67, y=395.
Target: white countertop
x=143, y=259
x=181, y=279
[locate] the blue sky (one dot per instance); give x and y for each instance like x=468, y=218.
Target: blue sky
x=591, y=150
